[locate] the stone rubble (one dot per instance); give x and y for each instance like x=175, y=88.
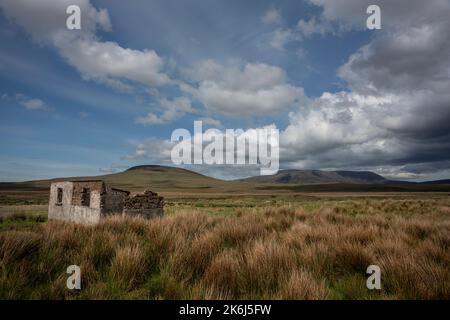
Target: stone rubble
x=147, y=200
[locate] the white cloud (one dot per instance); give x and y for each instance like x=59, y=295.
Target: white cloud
x=105, y=62
x=281, y=37
x=27, y=102
x=252, y=90
x=393, y=116
x=310, y=27
x=108, y=62
x=172, y=110
x=33, y=104
x=152, y=149
x=45, y=20
x=211, y=122
x=159, y=151
x=113, y=168
x=332, y=121
x=400, y=14
x=272, y=16
x=304, y=29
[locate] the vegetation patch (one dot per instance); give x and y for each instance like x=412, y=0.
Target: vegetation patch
x=287, y=252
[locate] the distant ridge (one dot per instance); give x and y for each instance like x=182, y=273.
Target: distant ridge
x=179, y=180
x=293, y=176
x=444, y=181
x=139, y=178
x=159, y=168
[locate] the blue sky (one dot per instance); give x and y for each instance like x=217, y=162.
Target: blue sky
x=66, y=113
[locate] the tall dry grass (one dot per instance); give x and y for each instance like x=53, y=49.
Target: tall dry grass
x=278, y=253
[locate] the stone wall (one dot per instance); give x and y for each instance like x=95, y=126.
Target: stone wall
x=87, y=202
x=66, y=210
x=96, y=190
x=56, y=209
x=114, y=201
x=148, y=205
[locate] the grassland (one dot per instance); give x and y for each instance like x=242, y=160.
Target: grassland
x=177, y=183
x=220, y=246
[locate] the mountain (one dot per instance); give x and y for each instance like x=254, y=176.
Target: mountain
x=155, y=177
x=168, y=181
x=319, y=177
x=444, y=181
x=177, y=182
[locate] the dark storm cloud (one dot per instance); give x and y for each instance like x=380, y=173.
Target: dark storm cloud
x=396, y=111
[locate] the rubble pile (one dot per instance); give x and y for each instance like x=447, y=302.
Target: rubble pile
x=147, y=200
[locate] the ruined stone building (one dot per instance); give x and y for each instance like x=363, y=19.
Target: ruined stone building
x=88, y=202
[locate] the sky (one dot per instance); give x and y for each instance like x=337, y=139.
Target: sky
x=108, y=97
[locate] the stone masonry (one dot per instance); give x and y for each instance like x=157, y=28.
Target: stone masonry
x=148, y=204
x=88, y=202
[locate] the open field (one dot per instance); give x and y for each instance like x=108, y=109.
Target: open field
x=282, y=246
x=176, y=183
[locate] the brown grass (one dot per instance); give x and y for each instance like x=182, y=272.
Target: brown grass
x=301, y=285
x=279, y=253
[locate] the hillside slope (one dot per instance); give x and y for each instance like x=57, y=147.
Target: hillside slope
x=318, y=177
x=137, y=179
x=178, y=182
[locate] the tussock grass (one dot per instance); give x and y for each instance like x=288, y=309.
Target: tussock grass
x=254, y=253
x=301, y=285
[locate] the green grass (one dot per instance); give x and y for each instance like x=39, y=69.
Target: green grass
x=21, y=222
x=232, y=240
x=291, y=247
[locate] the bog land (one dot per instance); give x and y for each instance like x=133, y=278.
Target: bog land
x=234, y=240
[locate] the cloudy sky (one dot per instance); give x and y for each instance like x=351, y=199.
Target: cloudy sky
x=108, y=96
